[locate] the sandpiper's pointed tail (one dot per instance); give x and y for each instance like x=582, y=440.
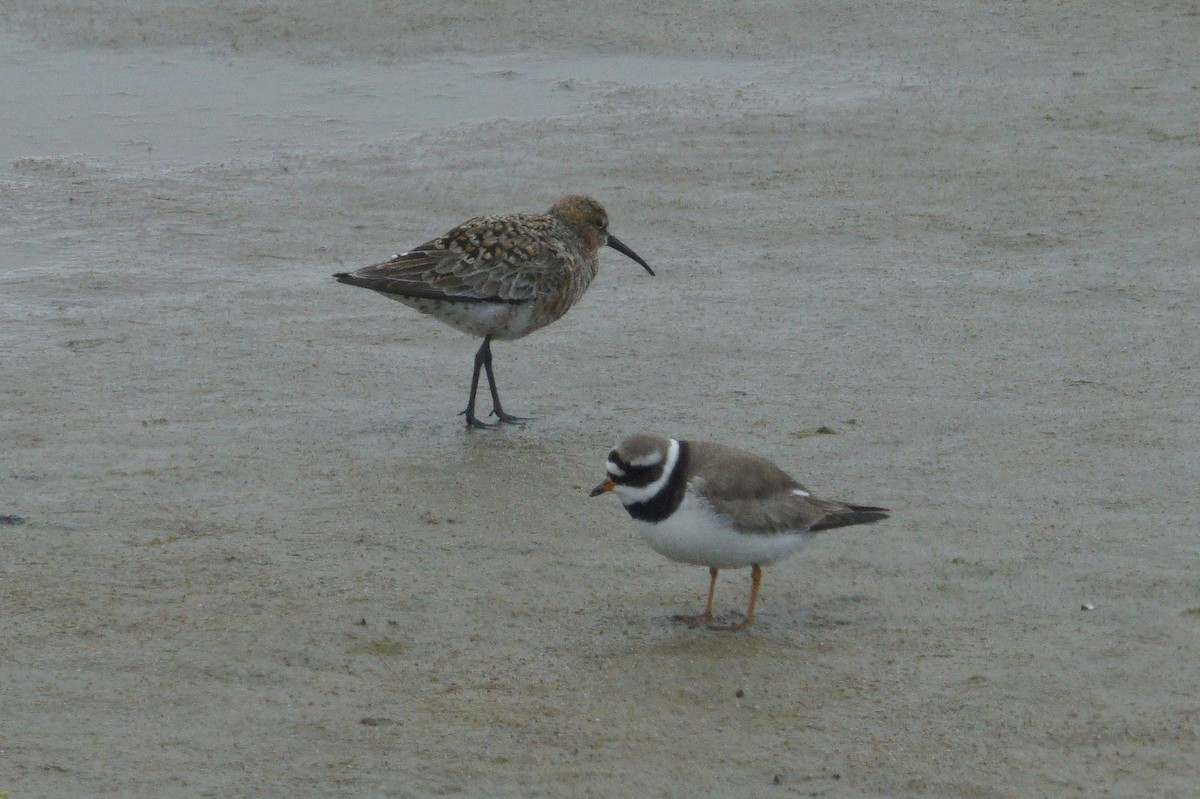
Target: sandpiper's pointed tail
x=386, y=285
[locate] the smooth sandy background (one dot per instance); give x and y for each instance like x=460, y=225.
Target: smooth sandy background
x=261, y=557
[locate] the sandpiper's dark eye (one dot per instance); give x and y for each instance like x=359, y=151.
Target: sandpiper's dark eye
x=613, y=457
x=601, y=223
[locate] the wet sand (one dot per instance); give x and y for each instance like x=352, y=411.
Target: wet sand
x=261, y=557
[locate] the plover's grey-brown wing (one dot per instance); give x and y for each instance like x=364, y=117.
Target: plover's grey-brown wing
x=790, y=512
x=757, y=497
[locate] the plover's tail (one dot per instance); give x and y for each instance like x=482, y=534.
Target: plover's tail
x=846, y=515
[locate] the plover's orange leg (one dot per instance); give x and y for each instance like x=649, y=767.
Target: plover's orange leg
x=755, y=582
x=707, y=614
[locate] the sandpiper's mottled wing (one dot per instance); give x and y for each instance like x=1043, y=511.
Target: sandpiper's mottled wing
x=505, y=259
x=760, y=498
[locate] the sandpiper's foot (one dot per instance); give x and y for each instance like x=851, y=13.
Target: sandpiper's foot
x=474, y=422
x=508, y=418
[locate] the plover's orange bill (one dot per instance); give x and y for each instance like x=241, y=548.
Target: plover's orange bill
x=500, y=277
x=720, y=507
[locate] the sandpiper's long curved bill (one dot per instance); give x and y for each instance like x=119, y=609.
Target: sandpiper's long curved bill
x=616, y=244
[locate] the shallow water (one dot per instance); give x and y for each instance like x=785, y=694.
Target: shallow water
x=133, y=112
x=139, y=109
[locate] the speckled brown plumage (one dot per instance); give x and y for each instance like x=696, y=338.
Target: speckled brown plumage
x=501, y=276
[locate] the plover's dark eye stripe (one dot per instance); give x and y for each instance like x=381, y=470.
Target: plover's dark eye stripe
x=626, y=473
x=622, y=464
x=638, y=475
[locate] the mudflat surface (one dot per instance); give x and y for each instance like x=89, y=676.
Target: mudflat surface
x=260, y=555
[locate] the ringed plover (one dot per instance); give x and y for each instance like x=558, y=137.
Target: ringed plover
x=720, y=507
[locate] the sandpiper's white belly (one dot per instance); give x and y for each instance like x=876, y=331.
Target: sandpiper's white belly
x=499, y=320
x=694, y=533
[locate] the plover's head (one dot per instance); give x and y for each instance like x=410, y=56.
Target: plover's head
x=589, y=221
x=639, y=467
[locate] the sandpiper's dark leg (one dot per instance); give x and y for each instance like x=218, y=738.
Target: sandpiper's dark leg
x=497, y=410
x=707, y=614
x=755, y=582
x=482, y=355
